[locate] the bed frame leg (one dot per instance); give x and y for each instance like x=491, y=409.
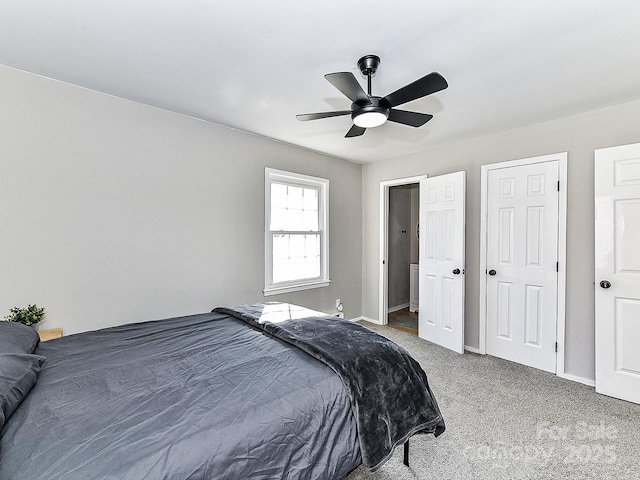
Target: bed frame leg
x=406, y=453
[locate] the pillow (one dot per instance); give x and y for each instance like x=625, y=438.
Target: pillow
x=18, y=373
x=17, y=338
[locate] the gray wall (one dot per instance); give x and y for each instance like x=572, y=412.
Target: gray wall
x=112, y=211
x=579, y=136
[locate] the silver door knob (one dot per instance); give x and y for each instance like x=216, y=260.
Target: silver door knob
x=605, y=284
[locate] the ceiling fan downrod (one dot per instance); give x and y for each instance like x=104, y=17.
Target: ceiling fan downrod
x=368, y=66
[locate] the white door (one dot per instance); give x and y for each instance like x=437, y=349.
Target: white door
x=617, y=272
x=441, y=283
x=522, y=255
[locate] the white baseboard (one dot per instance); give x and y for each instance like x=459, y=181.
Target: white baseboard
x=575, y=378
x=472, y=349
x=397, y=307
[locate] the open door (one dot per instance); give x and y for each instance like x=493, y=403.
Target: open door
x=617, y=272
x=442, y=228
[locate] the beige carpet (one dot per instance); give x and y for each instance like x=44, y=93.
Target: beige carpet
x=507, y=421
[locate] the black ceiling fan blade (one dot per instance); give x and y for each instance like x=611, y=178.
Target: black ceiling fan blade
x=413, y=119
x=348, y=85
x=355, y=131
x=316, y=116
x=431, y=83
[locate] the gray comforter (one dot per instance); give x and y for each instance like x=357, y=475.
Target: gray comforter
x=198, y=397
x=388, y=389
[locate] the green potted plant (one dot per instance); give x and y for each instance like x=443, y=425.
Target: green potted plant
x=30, y=316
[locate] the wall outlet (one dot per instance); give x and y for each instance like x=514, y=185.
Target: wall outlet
x=338, y=302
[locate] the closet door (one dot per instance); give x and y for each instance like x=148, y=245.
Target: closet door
x=522, y=256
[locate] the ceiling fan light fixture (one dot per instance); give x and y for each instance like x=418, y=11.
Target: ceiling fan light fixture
x=373, y=117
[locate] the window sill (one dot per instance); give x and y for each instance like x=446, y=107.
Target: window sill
x=295, y=288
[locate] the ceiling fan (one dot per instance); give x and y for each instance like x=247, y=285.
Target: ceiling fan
x=368, y=111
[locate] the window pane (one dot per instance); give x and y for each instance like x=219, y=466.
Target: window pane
x=278, y=195
x=295, y=219
x=294, y=205
x=312, y=252
x=278, y=219
x=310, y=199
x=296, y=246
x=294, y=197
x=280, y=246
x=280, y=257
x=278, y=206
x=313, y=245
x=310, y=209
x=310, y=220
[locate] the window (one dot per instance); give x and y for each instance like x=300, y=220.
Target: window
x=296, y=232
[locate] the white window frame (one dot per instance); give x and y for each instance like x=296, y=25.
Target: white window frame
x=296, y=179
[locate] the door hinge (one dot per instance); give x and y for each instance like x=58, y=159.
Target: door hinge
x=556, y=347
x=558, y=185
x=557, y=266
x=383, y=262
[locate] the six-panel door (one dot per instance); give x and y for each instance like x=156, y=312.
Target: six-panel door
x=442, y=242
x=522, y=245
x=617, y=271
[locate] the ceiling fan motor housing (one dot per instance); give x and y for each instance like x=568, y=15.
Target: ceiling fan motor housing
x=369, y=115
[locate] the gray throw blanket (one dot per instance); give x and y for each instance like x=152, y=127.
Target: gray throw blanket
x=389, y=392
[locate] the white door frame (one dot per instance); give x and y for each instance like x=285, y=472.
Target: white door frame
x=384, y=241
x=561, y=158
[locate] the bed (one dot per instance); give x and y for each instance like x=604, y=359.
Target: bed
x=267, y=390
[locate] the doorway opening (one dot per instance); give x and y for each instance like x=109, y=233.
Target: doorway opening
x=399, y=212
x=404, y=320
x=403, y=255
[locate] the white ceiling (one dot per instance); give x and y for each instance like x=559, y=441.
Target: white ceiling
x=254, y=65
